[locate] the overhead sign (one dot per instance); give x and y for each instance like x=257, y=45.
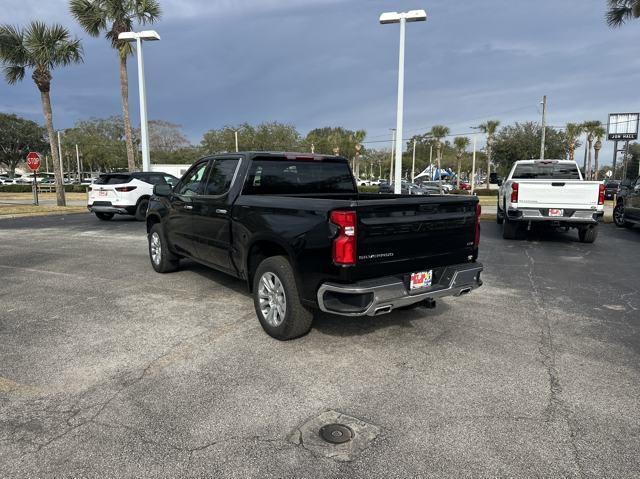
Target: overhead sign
x=33, y=161
x=623, y=126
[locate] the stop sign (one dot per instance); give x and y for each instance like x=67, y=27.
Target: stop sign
x=33, y=160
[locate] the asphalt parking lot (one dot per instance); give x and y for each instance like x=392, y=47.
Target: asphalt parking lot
x=109, y=369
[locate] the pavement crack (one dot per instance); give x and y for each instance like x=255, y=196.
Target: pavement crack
x=557, y=408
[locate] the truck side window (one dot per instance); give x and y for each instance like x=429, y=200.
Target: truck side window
x=221, y=176
x=192, y=183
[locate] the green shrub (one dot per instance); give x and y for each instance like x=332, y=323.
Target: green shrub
x=486, y=192
x=368, y=189
x=460, y=192
x=27, y=189
x=16, y=188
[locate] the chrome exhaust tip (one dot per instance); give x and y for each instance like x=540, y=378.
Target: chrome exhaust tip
x=382, y=310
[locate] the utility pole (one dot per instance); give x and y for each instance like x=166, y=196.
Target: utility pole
x=393, y=146
x=236, y=134
x=431, y=162
x=413, y=164
x=78, y=161
x=615, y=157
x=46, y=162
x=60, y=156
x=473, y=164
x=544, y=125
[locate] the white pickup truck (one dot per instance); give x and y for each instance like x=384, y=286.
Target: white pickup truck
x=550, y=192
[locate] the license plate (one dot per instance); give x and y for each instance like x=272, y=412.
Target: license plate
x=102, y=193
x=555, y=212
x=421, y=280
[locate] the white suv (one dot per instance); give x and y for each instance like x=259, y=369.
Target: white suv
x=125, y=193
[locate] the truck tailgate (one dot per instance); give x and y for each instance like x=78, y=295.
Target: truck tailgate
x=558, y=194
x=414, y=233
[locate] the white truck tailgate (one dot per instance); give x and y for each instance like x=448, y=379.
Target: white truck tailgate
x=558, y=194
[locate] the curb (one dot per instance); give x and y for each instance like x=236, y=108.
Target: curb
x=44, y=213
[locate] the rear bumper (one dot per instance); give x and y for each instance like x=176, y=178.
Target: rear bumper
x=571, y=216
x=119, y=210
x=382, y=295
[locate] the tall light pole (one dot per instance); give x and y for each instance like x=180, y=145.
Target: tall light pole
x=473, y=161
x=402, y=18
x=393, y=146
x=544, y=125
x=138, y=37
x=413, y=163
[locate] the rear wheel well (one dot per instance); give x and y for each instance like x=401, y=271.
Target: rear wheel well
x=143, y=197
x=260, y=251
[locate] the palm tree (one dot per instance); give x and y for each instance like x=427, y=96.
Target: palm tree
x=573, y=132
x=599, y=133
x=461, y=143
x=622, y=10
x=590, y=128
x=489, y=127
x=114, y=17
x=41, y=48
x=357, y=139
x=438, y=132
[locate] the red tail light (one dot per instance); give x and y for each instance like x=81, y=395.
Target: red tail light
x=514, y=192
x=601, y=195
x=344, y=246
x=476, y=241
x=125, y=189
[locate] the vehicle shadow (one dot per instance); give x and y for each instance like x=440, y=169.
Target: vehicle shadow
x=345, y=326
x=536, y=233
x=216, y=277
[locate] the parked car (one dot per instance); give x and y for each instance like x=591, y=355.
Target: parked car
x=552, y=193
x=124, y=193
x=627, y=210
x=385, y=187
x=611, y=189
x=465, y=186
x=294, y=227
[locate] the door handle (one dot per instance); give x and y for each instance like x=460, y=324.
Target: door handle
x=188, y=207
x=221, y=212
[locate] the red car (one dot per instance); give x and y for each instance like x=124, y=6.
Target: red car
x=465, y=186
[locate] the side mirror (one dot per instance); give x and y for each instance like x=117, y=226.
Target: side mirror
x=162, y=190
x=499, y=182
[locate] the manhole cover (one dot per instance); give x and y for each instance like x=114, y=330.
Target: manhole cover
x=336, y=433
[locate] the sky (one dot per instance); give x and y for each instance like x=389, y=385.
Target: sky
x=315, y=63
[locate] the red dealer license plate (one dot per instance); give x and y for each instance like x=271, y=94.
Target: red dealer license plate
x=421, y=280
x=555, y=212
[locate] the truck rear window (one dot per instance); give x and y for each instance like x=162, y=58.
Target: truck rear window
x=541, y=171
x=282, y=177
x=114, y=179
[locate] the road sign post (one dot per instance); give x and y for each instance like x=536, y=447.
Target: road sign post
x=33, y=162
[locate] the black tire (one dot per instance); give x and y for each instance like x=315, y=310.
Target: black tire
x=588, y=234
x=297, y=319
x=165, y=261
x=618, y=215
x=104, y=216
x=509, y=229
x=499, y=216
x=141, y=209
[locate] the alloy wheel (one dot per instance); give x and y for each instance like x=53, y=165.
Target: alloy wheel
x=272, y=299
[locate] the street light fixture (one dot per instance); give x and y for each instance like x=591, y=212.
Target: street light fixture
x=402, y=18
x=138, y=37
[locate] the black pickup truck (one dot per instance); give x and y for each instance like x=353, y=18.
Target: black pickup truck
x=296, y=229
